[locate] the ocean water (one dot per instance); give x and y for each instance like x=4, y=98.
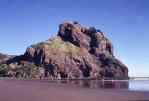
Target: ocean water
x=132, y=85
x=139, y=85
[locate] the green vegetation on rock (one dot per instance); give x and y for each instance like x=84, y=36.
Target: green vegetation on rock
x=56, y=45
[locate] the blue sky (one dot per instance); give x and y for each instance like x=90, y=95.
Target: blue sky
x=125, y=22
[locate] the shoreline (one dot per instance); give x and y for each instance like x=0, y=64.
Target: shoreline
x=16, y=90
x=47, y=79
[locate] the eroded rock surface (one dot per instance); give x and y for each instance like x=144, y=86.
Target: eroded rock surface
x=77, y=52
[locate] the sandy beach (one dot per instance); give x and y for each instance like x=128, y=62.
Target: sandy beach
x=37, y=90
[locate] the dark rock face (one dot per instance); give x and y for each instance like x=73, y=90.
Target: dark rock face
x=77, y=52
x=90, y=38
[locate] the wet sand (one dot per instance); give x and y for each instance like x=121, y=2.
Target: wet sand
x=42, y=90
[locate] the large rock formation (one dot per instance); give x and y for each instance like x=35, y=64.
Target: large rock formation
x=77, y=52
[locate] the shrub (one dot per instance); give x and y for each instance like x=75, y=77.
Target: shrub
x=92, y=30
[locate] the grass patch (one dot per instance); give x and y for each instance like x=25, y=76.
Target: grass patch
x=56, y=46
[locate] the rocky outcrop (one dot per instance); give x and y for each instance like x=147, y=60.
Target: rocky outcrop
x=77, y=52
x=5, y=57
x=90, y=38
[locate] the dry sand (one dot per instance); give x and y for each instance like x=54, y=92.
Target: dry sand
x=14, y=90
